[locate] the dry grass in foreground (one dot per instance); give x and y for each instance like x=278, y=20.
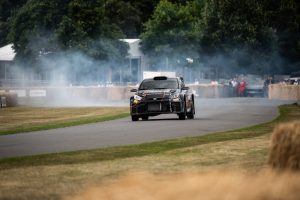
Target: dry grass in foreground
x=57, y=180
x=18, y=119
x=283, y=183
x=208, y=186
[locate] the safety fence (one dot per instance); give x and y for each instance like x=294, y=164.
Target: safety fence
x=284, y=92
x=102, y=93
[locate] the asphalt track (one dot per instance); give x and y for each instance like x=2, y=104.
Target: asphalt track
x=212, y=115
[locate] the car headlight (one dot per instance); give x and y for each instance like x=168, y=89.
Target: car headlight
x=136, y=99
x=176, y=97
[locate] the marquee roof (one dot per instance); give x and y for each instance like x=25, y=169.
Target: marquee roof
x=7, y=53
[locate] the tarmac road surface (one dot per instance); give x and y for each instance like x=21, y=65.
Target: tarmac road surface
x=212, y=115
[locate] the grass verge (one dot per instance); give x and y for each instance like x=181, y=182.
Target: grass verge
x=27, y=119
x=287, y=113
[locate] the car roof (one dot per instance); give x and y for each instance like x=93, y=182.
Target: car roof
x=161, y=78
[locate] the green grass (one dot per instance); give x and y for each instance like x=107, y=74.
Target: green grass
x=54, y=125
x=26, y=119
x=287, y=113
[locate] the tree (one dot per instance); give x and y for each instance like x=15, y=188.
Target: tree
x=284, y=18
x=7, y=9
x=234, y=23
x=68, y=25
x=126, y=15
x=33, y=28
x=240, y=31
x=171, y=32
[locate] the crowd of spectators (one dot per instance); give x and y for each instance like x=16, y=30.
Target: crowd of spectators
x=237, y=87
x=292, y=81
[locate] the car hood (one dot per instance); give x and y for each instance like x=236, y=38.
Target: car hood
x=157, y=92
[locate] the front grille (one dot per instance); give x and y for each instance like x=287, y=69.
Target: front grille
x=157, y=107
x=154, y=107
x=157, y=97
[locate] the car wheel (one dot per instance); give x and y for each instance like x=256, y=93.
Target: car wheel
x=134, y=118
x=191, y=114
x=145, y=117
x=182, y=115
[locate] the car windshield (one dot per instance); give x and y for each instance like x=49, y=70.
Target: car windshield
x=151, y=84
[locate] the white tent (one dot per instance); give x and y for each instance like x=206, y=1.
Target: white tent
x=7, y=53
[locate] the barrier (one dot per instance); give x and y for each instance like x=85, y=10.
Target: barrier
x=8, y=99
x=211, y=91
x=104, y=93
x=284, y=92
x=90, y=93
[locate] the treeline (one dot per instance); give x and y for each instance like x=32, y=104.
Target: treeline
x=254, y=35
x=94, y=27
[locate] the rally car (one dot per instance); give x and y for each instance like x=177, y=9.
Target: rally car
x=162, y=95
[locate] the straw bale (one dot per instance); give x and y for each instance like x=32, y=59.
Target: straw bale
x=210, y=91
x=284, y=92
x=285, y=147
x=11, y=98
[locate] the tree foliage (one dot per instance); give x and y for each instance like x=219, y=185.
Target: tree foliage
x=235, y=23
x=42, y=27
x=252, y=33
x=8, y=8
x=171, y=31
x=32, y=29
x=255, y=31
x=284, y=17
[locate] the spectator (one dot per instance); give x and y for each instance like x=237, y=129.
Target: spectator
x=214, y=82
x=242, y=88
x=267, y=82
x=297, y=81
x=233, y=87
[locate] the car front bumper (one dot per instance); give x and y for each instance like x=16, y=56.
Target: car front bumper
x=156, y=107
x=254, y=92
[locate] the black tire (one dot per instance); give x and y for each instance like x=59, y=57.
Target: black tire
x=182, y=115
x=191, y=114
x=134, y=118
x=145, y=117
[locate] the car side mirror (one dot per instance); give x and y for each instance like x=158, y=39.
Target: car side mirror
x=185, y=88
x=133, y=90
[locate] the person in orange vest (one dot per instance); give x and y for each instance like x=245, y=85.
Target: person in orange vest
x=242, y=88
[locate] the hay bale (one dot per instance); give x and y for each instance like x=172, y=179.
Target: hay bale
x=284, y=92
x=285, y=147
x=210, y=91
x=11, y=98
